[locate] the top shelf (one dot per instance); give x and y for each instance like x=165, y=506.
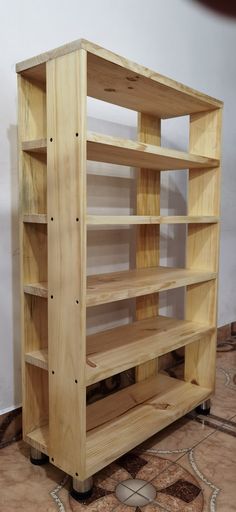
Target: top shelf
x=117, y=80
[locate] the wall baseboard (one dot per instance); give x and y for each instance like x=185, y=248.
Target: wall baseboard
x=11, y=418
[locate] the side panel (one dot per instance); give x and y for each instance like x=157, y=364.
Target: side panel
x=66, y=122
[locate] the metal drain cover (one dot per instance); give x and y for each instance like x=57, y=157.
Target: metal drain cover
x=135, y=492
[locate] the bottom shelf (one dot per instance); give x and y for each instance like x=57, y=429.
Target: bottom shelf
x=39, y=439
x=117, y=424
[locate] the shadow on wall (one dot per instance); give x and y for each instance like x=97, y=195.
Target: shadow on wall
x=12, y=137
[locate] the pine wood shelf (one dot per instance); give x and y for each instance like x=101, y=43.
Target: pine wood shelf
x=59, y=360
x=145, y=407
x=38, y=358
x=103, y=220
x=105, y=288
x=104, y=148
x=121, y=348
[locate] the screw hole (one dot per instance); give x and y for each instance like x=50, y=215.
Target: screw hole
x=109, y=89
x=51, y=296
x=76, y=381
x=51, y=218
x=77, y=301
x=76, y=474
x=77, y=135
x=51, y=139
x=130, y=87
x=52, y=459
x=53, y=372
x=77, y=219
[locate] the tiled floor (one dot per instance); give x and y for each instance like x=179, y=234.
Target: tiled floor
x=192, y=466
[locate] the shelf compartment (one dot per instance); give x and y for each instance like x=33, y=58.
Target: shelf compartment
x=104, y=148
x=117, y=80
x=38, y=358
x=116, y=350
x=122, y=420
x=105, y=288
x=39, y=439
x=103, y=220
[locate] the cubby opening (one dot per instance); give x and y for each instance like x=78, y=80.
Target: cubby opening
x=35, y=253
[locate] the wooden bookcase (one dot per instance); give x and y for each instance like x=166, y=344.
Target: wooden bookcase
x=58, y=360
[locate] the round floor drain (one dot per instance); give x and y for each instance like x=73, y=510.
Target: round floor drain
x=135, y=492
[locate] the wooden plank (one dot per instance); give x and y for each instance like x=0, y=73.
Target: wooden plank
x=35, y=218
x=105, y=148
x=39, y=439
x=66, y=106
x=116, y=350
x=35, y=146
x=33, y=252
x=203, y=247
x=120, y=81
x=37, y=289
x=147, y=240
x=130, y=418
x=38, y=358
x=113, y=220
x=105, y=288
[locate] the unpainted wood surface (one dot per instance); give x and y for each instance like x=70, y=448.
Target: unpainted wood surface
x=93, y=220
x=66, y=119
x=35, y=412
x=35, y=323
x=134, y=417
x=105, y=148
x=105, y=288
x=38, y=358
x=33, y=252
x=39, y=439
x=203, y=246
x=120, y=81
x=116, y=350
x=147, y=236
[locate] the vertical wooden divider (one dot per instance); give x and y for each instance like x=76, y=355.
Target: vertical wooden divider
x=66, y=141
x=203, y=246
x=147, y=246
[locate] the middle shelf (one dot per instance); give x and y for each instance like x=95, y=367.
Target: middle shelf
x=114, y=286
x=104, y=148
x=118, y=349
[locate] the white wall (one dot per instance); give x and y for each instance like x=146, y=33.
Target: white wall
x=174, y=37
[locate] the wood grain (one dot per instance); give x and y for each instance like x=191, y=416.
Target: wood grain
x=203, y=247
x=118, y=80
x=66, y=93
x=134, y=417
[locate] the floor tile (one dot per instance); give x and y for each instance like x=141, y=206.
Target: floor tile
x=214, y=463
x=172, y=442
x=224, y=399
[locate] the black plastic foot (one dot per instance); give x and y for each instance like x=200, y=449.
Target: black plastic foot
x=81, y=496
x=203, y=410
x=39, y=461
